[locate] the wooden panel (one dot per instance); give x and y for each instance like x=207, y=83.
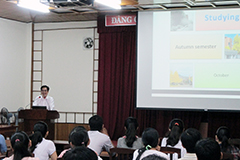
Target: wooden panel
x=62, y=130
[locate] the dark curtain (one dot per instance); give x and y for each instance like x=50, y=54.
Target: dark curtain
x=116, y=88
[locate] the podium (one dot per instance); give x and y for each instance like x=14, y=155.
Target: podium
x=32, y=116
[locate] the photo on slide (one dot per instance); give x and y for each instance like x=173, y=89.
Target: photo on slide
x=182, y=21
x=232, y=46
x=181, y=75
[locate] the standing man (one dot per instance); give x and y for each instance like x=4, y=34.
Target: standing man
x=44, y=99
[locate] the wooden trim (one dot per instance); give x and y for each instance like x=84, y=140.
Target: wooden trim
x=31, y=93
x=66, y=28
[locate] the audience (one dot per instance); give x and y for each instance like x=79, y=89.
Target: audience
x=172, y=139
x=222, y=137
x=130, y=140
x=80, y=153
x=150, y=139
x=189, y=139
x=208, y=149
x=20, y=143
x=42, y=148
x=98, y=135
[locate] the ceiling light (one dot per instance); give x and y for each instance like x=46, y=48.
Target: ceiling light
x=116, y=4
x=33, y=5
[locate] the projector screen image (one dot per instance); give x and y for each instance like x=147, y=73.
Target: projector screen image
x=189, y=60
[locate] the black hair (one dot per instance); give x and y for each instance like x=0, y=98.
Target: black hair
x=189, y=139
x=45, y=86
x=80, y=153
x=176, y=126
x=150, y=138
x=79, y=138
x=223, y=134
x=40, y=129
x=75, y=129
x=208, y=149
x=96, y=123
x=19, y=142
x=131, y=125
x=154, y=157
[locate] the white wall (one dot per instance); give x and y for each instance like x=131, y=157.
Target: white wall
x=15, y=44
x=67, y=66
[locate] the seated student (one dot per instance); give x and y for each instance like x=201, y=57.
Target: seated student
x=150, y=138
x=78, y=137
x=42, y=148
x=3, y=146
x=172, y=139
x=98, y=135
x=20, y=143
x=208, y=149
x=80, y=153
x=189, y=139
x=222, y=137
x=130, y=140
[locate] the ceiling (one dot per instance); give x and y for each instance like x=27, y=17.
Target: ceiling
x=79, y=11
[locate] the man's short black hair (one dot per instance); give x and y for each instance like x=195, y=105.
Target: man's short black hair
x=96, y=123
x=208, y=149
x=45, y=86
x=189, y=139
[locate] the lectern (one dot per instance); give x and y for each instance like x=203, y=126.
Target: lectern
x=32, y=116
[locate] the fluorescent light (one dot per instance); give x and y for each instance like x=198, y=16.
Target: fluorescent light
x=33, y=5
x=110, y=3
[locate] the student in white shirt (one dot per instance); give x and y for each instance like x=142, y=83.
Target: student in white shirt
x=44, y=99
x=20, y=143
x=41, y=147
x=150, y=139
x=172, y=139
x=98, y=135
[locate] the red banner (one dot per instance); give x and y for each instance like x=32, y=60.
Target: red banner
x=120, y=20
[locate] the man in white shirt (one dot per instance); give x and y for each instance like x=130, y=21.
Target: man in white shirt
x=98, y=135
x=44, y=99
x=189, y=139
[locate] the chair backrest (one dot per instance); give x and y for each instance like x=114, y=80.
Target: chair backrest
x=171, y=151
x=121, y=154
x=227, y=156
x=9, y=148
x=235, y=142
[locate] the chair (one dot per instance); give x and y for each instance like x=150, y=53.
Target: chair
x=227, y=156
x=171, y=151
x=121, y=154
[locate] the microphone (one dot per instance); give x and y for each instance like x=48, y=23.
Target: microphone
x=32, y=102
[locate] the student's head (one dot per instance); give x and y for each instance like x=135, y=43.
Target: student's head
x=75, y=129
x=20, y=144
x=150, y=137
x=44, y=90
x=153, y=157
x=176, y=127
x=222, y=136
x=78, y=137
x=208, y=149
x=40, y=130
x=41, y=127
x=96, y=123
x=80, y=153
x=131, y=126
x=189, y=139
